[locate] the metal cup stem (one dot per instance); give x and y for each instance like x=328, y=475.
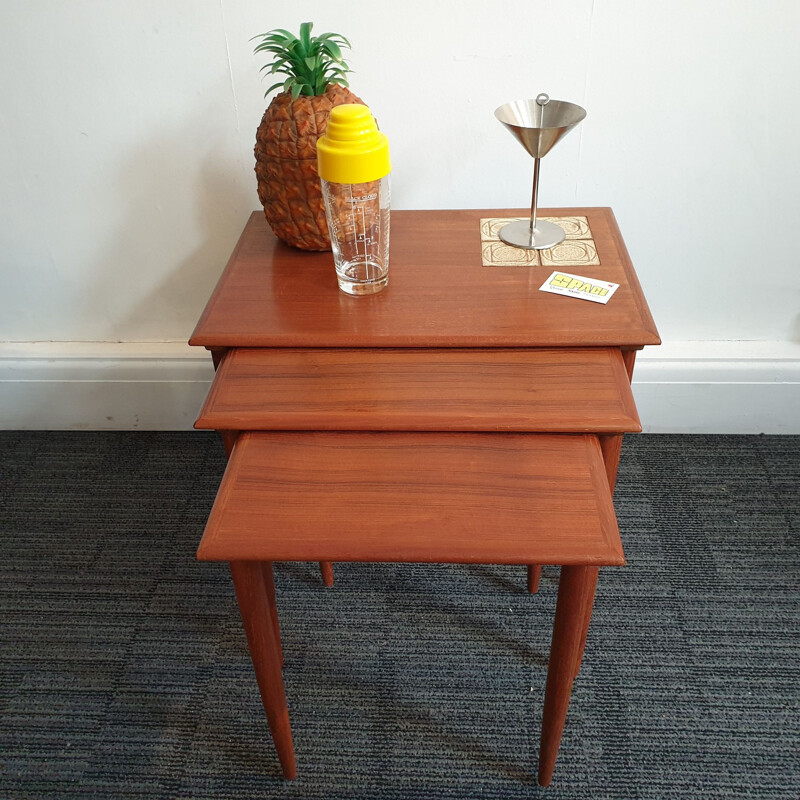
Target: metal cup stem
x=535, y=195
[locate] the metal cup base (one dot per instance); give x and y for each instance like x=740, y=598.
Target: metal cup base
x=545, y=234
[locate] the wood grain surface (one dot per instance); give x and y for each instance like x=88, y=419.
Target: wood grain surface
x=429, y=497
x=579, y=390
x=439, y=294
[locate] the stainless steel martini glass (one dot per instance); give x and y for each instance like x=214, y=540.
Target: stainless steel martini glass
x=537, y=124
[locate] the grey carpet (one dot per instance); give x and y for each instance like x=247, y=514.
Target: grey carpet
x=125, y=671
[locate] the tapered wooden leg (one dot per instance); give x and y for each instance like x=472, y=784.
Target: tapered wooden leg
x=629, y=359
x=228, y=440
x=269, y=585
x=217, y=354
x=228, y=437
x=327, y=572
x=255, y=594
x=573, y=610
x=610, y=446
x=534, y=573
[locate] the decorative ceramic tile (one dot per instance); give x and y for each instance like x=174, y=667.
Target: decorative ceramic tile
x=571, y=253
x=490, y=227
x=578, y=249
x=499, y=254
x=574, y=227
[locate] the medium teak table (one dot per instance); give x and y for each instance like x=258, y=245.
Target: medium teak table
x=487, y=415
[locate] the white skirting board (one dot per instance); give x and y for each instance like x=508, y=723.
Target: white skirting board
x=680, y=387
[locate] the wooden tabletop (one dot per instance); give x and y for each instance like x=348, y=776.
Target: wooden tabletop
x=439, y=293
x=577, y=390
x=489, y=498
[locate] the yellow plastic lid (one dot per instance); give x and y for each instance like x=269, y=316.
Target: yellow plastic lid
x=352, y=150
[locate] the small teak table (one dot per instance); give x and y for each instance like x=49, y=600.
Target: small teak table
x=459, y=416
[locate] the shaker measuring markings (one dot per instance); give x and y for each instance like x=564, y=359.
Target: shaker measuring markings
x=364, y=237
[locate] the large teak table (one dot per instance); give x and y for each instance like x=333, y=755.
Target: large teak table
x=488, y=416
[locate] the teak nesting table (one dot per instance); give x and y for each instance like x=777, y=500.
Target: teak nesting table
x=459, y=416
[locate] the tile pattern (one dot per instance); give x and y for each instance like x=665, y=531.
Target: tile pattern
x=577, y=250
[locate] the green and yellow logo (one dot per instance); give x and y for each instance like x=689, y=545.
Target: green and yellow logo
x=571, y=284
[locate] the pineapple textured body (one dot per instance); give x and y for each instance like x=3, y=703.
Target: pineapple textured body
x=286, y=165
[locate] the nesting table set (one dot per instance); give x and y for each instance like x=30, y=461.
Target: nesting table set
x=459, y=416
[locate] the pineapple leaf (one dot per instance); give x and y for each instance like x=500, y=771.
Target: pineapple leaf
x=335, y=37
x=276, y=66
x=310, y=63
x=273, y=87
x=332, y=49
x=277, y=31
x=270, y=48
x=279, y=39
x=305, y=35
x=335, y=74
x=299, y=88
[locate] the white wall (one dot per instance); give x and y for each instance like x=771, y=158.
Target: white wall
x=126, y=133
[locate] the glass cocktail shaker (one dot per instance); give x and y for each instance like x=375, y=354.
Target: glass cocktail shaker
x=354, y=166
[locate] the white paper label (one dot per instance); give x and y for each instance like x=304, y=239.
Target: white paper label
x=580, y=287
